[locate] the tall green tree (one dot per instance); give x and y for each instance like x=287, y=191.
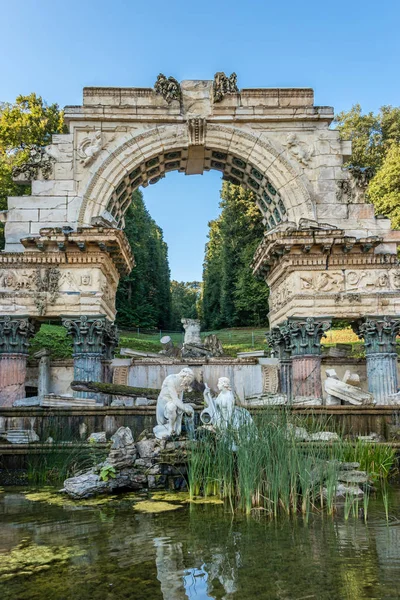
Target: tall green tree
x=232, y=296
x=184, y=301
x=144, y=296
x=26, y=122
x=376, y=145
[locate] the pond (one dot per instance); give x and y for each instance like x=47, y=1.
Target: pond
x=67, y=550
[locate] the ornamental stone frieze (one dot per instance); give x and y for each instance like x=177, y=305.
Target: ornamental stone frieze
x=65, y=272
x=324, y=271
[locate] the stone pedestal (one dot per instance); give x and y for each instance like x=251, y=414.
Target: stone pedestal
x=305, y=337
x=15, y=333
x=379, y=334
x=95, y=339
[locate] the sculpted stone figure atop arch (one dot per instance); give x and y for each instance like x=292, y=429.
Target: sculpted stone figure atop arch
x=320, y=235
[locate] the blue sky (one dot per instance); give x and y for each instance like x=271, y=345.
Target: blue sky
x=348, y=51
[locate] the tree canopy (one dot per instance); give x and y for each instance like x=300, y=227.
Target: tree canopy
x=144, y=296
x=26, y=122
x=231, y=294
x=376, y=144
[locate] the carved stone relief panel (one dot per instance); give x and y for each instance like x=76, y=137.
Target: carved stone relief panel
x=270, y=379
x=325, y=281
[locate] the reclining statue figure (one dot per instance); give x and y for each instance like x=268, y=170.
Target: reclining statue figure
x=170, y=405
x=221, y=411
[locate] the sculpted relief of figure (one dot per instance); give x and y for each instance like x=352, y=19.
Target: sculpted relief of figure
x=224, y=85
x=170, y=405
x=221, y=412
x=322, y=282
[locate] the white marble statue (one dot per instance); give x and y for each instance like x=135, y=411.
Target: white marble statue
x=170, y=405
x=221, y=412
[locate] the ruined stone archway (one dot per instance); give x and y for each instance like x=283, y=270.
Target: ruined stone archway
x=281, y=190
x=324, y=252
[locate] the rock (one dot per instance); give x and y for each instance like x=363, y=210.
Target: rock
x=299, y=433
x=348, y=490
x=351, y=379
x=372, y=437
x=349, y=466
x=98, y=438
x=49, y=440
x=353, y=477
x=83, y=486
x=144, y=402
x=91, y=484
x=146, y=447
x=121, y=438
x=324, y=436
x=117, y=402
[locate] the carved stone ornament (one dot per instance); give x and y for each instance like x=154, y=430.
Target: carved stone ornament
x=90, y=147
x=224, y=85
x=306, y=334
x=352, y=190
x=270, y=379
x=301, y=151
x=379, y=334
x=88, y=334
x=15, y=333
x=168, y=88
x=197, y=131
x=47, y=285
x=111, y=339
x=38, y=161
x=279, y=339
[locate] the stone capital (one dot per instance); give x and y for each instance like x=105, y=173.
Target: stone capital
x=279, y=339
x=379, y=333
x=88, y=334
x=15, y=333
x=306, y=334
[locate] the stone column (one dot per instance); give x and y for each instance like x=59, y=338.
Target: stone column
x=379, y=334
x=111, y=340
x=44, y=372
x=15, y=333
x=278, y=338
x=305, y=337
x=88, y=338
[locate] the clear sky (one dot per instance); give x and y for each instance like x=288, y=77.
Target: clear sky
x=348, y=51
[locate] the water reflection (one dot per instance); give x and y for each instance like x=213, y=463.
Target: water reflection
x=199, y=553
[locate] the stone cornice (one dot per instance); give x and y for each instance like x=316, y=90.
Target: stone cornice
x=84, y=246
x=317, y=248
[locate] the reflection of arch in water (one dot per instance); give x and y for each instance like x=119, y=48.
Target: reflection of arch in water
x=281, y=190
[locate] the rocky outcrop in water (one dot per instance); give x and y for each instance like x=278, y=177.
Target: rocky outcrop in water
x=149, y=463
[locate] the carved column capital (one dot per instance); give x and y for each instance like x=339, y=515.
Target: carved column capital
x=279, y=339
x=379, y=333
x=111, y=340
x=306, y=334
x=15, y=334
x=88, y=334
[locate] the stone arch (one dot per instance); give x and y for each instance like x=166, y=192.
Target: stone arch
x=282, y=191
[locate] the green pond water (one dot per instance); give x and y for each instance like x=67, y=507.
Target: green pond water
x=51, y=551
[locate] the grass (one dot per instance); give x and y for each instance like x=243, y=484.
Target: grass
x=263, y=468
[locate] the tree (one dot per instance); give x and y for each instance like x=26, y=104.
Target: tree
x=28, y=121
x=375, y=144
x=144, y=297
x=184, y=299
x=232, y=296
x=384, y=189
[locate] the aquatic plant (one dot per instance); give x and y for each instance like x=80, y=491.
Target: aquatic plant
x=266, y=468
x=378, y=460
